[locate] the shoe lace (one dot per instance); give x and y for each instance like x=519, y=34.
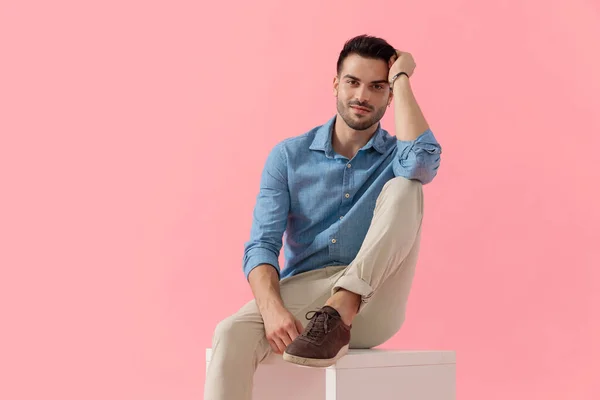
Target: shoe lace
x=320, y=323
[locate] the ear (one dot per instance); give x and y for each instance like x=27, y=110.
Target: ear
x=336, y=85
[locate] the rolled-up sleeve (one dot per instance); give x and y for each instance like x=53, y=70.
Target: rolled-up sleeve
x=270, y=214
x=418, y=159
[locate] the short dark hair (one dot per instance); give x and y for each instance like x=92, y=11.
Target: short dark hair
x=366, y=46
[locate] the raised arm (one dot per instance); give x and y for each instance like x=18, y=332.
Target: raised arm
x=419, y=153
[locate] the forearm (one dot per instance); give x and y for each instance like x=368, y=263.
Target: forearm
x=409, y=119
x=264, y=282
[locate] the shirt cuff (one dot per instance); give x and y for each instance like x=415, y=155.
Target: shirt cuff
x=419, y=158
x=258, y=256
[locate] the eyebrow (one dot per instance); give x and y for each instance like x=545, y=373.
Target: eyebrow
x=356, y=79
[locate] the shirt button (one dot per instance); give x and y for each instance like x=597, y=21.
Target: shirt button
x=341, y=216
x=347, y=195
x=333, y=240
x=349, y=165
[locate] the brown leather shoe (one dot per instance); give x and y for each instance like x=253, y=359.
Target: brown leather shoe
x=324, y=341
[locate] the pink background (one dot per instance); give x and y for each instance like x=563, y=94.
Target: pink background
x=132, y=139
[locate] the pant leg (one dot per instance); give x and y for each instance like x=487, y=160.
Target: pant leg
x=239, y=342
x=383, y=270
x=385, y=312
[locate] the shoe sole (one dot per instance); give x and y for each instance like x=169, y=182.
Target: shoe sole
x=315, y=362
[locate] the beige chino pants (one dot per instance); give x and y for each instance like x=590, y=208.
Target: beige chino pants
x=382, y=273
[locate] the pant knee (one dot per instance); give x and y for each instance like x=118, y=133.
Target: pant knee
x=400, y=186
x=236, y=339
x=229, y=331
x=403, y=192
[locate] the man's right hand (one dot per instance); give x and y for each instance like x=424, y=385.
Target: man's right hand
x=281, y=328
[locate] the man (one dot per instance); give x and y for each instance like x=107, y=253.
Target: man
x=348, y=197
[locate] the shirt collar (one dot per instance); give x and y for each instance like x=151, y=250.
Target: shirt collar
x=322, y=139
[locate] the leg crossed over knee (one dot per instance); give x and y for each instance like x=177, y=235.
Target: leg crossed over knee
x=404, y=192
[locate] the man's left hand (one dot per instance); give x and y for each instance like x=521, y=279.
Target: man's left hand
x=401, y=62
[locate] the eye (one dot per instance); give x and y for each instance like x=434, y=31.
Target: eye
x=352, y=82
x=379, y=87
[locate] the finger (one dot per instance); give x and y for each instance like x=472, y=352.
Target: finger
x=274, y=346
x=285, y=337
x=299, y=327
x=280, y=346
x=293, y=332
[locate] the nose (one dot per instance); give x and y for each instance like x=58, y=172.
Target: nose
x=362, y=94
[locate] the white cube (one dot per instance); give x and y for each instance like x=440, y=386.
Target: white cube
x=373, y=374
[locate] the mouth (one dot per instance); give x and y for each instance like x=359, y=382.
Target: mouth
x=361, y=110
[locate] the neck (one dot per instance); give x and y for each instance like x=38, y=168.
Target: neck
x=347, y=141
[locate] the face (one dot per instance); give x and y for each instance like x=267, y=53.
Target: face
x=362, y=91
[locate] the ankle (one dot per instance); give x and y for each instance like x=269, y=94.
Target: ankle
x=346, y=304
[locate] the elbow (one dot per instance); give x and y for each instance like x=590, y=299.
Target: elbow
x=428, y=170
x=419, y=160
x=423, y=173
x=421, y=168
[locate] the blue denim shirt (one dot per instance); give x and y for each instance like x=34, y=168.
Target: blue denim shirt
x=324, y=202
